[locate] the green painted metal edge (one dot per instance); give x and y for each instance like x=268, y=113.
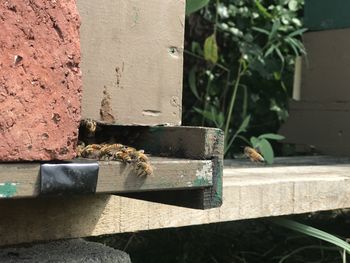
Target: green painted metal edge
x=326, y=14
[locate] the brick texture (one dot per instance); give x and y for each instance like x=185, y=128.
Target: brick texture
x=40, y=79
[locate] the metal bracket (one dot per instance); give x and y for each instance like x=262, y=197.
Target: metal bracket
x=68, y=178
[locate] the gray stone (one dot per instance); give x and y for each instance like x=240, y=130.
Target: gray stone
x=72, y=251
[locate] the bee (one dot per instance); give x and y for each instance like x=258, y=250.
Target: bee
x=124, y=156
x=145, y=167
x=89, y=126
x=80, y=148
x=117, y=152
x=91, y=151
x=137, y=155
x=109, y=151
x=253, y=154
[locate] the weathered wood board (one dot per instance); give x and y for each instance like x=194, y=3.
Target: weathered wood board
x=197, y=143
x=319, y=117
x=320, y=124
x=325, y=69
x=20, y=180
x=132, y=58
x=305, y=185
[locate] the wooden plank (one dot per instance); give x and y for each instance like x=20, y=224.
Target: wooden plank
x=249, y=192
x=115, y=177
x=324, y=129
x=325, y=70
x=193, y=143
x=182, y=142
x=132, y=60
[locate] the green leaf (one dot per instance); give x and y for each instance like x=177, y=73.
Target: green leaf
x=271, y=136
x=211, y=49
x=298, y=32
x=206, y=114
x=266, y=150
x=194, y=5
x=221, y=120
x=270, y=50
x=192, y=82
x=255, y=142
x=313, y=232
x=261, y=30
x=242, y=128
x=276, y=25
x=291, y=44
x=293, y=5
x=278, y=51
x=263, y=10
x=244, y=125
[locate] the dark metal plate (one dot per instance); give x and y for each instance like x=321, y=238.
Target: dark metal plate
x=68, y=178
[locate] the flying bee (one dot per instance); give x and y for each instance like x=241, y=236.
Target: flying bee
x=146, y=168
x=253, y=154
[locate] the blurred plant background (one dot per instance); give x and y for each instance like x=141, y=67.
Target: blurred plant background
x=239, y=66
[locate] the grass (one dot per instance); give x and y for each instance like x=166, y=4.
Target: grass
x=249, y=241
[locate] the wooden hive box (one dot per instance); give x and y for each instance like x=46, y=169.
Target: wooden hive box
x=132, y=58
x=320, y=109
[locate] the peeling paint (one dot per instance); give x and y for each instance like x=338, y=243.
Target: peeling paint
x=204, y=176
x=200, y=182
x=8, y=189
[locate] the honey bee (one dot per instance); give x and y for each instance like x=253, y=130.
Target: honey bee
x=253, y=154
x=124, y=156
x=117, y=152
x=91, y=151
x=110, y=151
x=138, y=156
x=89, y=126
x=80, y=148
x=146, y=168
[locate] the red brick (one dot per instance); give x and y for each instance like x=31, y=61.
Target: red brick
x=40, y=79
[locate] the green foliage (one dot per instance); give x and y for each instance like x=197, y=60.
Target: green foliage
x=313, y=232
x=239, y=62
x=194, y=5
x=211, y=49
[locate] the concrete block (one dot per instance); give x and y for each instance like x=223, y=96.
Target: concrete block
x=70, y=251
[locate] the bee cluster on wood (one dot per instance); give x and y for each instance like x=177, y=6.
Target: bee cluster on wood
x=113, y=151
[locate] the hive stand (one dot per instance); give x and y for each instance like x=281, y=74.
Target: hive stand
x=190, y=175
